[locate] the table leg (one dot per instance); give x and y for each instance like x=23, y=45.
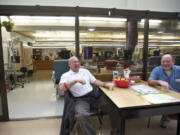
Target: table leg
x=122, y=126
x=178, y=125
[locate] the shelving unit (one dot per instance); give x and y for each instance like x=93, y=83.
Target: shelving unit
x=37, y=54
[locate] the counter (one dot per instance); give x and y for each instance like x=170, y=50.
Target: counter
x=43, y=64
x=108, y=76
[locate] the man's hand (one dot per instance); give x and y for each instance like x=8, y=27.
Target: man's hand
x=164, y=84
x=80, y=81
x=106, y=86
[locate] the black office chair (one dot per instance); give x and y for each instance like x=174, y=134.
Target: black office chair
x=15, y=81
x=24, y=71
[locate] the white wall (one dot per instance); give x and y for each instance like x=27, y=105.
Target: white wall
x=152, y=5
x=6, y=37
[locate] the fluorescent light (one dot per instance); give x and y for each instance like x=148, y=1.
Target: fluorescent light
x=67, y=18
x=83, y=34
x=165, y=45
x=103, y=45
x=56, y=34
x=41, y=18
x=152, y=21
x=54, y=39
x=149, y=47
x=159, y=45
x=50, y=47
x=160, y=32
x=163, y=41
x=102, y=19
x=91, y=29
x=58, y=45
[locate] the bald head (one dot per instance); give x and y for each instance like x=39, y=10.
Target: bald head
x=72, y=58
x=167, y=62
x=74, y=63
x=169, y=56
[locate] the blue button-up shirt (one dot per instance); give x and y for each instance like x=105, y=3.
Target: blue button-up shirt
x=174, y=79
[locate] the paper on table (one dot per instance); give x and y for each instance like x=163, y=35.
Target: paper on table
x=160, y=98
x=143, y=89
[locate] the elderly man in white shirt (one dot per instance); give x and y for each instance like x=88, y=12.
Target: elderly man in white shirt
x=78, y=81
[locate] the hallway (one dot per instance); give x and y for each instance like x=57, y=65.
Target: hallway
x=36, y=100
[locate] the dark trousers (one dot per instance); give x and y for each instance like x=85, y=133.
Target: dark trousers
x=94, y=99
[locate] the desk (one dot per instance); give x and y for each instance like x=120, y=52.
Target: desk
x=131, y=105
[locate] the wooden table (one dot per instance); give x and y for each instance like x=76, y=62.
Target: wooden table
x=132, y=105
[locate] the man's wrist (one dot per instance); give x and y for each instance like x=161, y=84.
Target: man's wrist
x=66, y=86
x=160, y=82
x=75, y=81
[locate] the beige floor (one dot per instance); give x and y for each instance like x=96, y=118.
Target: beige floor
x=36, y=100
x=52, y=127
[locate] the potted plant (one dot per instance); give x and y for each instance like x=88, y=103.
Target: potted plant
x=8, y=25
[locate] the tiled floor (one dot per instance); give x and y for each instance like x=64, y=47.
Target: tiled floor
x=52, y=127
x=37, y=99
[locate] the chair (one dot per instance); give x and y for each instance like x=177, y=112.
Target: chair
x=69, y=121
x=93, y=112
x=60, y=67
x=153, y=62
x=15, y=80
x=177, y=60
x=24, y=71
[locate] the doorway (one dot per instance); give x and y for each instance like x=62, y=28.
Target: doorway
x=34, y=94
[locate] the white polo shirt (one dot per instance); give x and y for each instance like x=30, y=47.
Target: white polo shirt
x=79, y=89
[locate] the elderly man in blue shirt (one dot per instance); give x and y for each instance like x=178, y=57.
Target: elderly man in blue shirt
x=167, y=76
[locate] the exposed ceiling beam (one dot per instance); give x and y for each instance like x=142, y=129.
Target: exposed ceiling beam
x=84, y=11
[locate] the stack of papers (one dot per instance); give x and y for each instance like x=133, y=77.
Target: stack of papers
x=144, y=89
x=160, y=98
x=152, y=95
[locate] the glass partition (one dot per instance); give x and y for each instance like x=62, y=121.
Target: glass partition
x=164, y=38
x=103, y=39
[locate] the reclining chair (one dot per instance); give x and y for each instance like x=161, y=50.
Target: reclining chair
x=60, y=67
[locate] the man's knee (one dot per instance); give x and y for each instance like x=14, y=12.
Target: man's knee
x=80, y=115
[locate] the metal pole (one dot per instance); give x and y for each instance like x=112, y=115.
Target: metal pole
x=77, y=35
x=145, y=48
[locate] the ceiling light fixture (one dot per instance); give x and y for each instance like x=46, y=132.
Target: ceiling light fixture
x=83, y=34
x=91, y=29
x=41, y=18
x=152, y=21
x=109, y=13
x=102, y=19
x=55, y=40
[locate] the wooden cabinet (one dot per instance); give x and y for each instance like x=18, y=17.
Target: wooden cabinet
x=43, y=64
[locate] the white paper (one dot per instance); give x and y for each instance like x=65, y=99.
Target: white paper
x=144, y=89
x=160, y=98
